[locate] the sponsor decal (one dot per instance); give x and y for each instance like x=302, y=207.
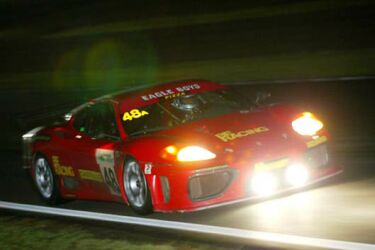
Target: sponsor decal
x=169, y=93
x=148, y=168
x=134, y=114
x=90, y=175
x=316, y=142
x=59, y=169
x=174, y=95
x=229, y=135
x=272, y=164
x=106, y=162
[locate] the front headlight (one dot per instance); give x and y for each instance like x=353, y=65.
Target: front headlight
x=307, y=124
x=189, y=153
x=264, y=183
x=297, y=175
x=194, y=153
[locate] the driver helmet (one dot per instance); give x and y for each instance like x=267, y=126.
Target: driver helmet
x=186, y=102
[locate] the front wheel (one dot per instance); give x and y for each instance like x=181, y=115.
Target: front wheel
x=45, y=181
x=136, y=188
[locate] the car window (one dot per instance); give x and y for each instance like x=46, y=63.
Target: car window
x=80, y=119
x=97, y=121
x=186, y=108
x=157, y=118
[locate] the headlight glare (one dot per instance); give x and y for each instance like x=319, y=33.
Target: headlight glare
x=307, y=124
x=264, y=183
x=296, y=175
x=194, y=153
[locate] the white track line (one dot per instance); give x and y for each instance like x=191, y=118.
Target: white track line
x=197, y=228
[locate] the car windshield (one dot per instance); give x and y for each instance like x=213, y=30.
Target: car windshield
x=185, y=108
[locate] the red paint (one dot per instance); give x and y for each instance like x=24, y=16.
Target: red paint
x=239, y=154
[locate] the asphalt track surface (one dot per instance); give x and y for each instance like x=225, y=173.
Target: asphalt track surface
x=341, y=209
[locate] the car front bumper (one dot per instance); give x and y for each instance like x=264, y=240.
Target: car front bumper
x=178, y=189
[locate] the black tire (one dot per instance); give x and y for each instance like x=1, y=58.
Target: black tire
x=45, y=180
x=136, y=188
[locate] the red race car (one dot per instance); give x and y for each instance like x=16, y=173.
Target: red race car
x=179, y=146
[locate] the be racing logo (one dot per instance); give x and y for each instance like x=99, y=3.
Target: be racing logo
x=229, y=135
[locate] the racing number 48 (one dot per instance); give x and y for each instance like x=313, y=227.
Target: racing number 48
x=133, y=114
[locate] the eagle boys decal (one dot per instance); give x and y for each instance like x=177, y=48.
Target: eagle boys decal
x=170, y=92
x=106, y=162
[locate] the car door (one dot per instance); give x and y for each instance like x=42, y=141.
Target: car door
x=93, y=151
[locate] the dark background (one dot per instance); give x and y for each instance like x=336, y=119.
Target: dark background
x=320, y=55
x=55, y=55
x=316, y=54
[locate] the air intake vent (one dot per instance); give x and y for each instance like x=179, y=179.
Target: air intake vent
x=204, y=186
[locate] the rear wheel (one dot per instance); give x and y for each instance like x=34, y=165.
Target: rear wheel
x=45, y=180
x=136, y=189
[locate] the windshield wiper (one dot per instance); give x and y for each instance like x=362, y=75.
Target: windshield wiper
x=170, y=113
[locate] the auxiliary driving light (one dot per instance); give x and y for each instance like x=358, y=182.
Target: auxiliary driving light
x=296, y=175
x=264, y=183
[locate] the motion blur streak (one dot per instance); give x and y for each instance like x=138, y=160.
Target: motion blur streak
x=309, y=80
x=197, y=228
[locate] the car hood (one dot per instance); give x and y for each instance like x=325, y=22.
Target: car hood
x=240, y=130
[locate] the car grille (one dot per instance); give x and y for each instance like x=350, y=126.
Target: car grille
x=317, y=157
x=207, y=185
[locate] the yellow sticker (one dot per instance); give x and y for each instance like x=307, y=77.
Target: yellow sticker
x=90, y=175
x=272, y=164
x=133, y=114
x=229, y=135
x=61, y=170
x=316, y=142
x=174, y=95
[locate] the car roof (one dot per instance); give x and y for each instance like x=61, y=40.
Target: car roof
x=139, y=96
x=142, y=89
x=145, y=95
